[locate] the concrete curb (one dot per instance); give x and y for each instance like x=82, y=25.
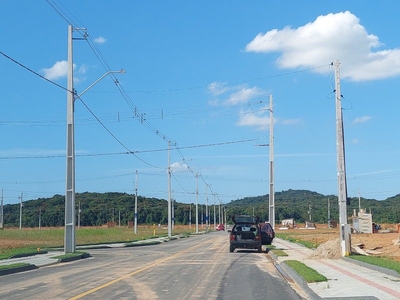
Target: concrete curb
x=73, y=258
x=17, y=270
x=289, y=272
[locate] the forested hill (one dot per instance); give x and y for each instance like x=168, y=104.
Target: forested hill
x=99, y=208
x=303, y=204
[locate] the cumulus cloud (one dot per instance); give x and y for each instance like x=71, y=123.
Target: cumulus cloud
x=100, y=40
x=361, y=119
x=259, y=119
x=244, y=95
x=331, y=37
x=261, y=122
x=217, y=88
x=178, y=167
x=58, y=70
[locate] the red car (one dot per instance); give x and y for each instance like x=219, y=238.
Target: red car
x=220, y=227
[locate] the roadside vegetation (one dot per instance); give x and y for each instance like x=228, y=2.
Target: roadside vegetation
x=12, y=266
x=309, y=274
x=278, y=252
x=14, y=242
x=293, y=238
x=379, y=261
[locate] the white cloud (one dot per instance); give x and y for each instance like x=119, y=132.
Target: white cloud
x=100, y=40
x=259, y=119
x=331, y=37
x=58, y=70
x=361, y=119
x=244, y=95
x=217, y=88
x=178, y=167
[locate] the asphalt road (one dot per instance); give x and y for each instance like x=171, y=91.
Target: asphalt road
x=198, y=267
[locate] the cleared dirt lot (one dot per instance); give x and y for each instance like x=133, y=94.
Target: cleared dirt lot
x=384, y=243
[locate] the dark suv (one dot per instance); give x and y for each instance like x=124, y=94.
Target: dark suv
x=245, y=233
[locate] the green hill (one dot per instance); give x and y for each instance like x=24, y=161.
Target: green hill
x=99, y=208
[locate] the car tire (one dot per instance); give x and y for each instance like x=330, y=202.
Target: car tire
x=231, y=248
x=259, y=249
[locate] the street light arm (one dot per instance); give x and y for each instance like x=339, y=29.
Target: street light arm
x=104, y=75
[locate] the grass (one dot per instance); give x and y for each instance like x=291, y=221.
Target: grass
x=297, y=239
x=31, y=241
x=383, y=262
x=309, y=274
x=279, y=252
x=12, y=266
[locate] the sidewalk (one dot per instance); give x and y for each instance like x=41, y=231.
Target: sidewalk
x=347, y=279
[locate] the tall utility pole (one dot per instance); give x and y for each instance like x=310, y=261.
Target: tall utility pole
x=69, y=232
x=20, y=211
x=169, y=193
x=190, y=216
x=79, y=214
x=197, y=202
x=329, y=214
x=136, y=193
x=219, y=212
x=1, y=211
x=206, y=207
x=215, y=219
x=341, y=169
x=271, y=165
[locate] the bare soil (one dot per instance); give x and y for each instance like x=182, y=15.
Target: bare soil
x=385, y=243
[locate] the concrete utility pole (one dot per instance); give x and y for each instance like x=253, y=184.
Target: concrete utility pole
x=329, y=214
x=169, y=193
x=341, y=169
x=215, y=219
x=79, y=215
x=69, y=233
x=172, y=210
x=190, y=216
x=20, y=211
x=206, y=207
x=136, y=194
x=271, y=165
x=197, y=202
x=219, y=213
x=1, y=211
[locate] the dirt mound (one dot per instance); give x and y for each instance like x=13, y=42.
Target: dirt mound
x=330, y=250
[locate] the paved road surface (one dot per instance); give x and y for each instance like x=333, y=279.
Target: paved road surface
x=198, y=267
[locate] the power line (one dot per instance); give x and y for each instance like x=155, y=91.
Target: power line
x=30, y=70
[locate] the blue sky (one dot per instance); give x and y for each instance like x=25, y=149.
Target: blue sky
x=199, y=74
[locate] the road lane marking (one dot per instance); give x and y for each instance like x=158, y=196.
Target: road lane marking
x=156, y=263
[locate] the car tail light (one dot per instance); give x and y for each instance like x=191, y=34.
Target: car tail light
x=232, y=237
x=257, y=238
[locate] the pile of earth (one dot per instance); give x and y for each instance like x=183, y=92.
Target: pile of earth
x=329, y=250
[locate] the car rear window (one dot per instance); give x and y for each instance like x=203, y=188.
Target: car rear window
x=245, y=219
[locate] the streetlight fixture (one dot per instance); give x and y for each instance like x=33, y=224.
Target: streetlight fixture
x=69, y=233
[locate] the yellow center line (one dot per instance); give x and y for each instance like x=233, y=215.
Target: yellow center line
x=156, y=263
